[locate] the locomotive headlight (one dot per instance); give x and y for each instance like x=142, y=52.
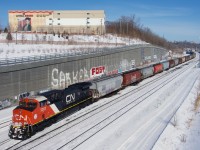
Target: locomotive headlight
x=16, y=124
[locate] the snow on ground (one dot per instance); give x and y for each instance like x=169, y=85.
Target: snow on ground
x=183, y=131
x=141, y=127
x=73, y=43
x=107, y=38
x=6, y=114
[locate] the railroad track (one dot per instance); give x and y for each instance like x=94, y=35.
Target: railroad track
x=5, y=124
x=93, y=130
x=4, y=141
x=91, y=113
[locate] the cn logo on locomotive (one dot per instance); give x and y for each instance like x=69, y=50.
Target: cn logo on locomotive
x=70, y=98
x=20, y=117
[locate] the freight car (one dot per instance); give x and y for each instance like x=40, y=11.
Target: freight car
x=104, y=86
x=176, y=62
x=158, y=68
x=36, y=112
x=183, y=59
x=165, y=65
x=147, y=72
x=171, y=63
x=180, y=60
x=131, y=76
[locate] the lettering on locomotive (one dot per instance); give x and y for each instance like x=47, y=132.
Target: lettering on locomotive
x=70, y=98
x=20, y=117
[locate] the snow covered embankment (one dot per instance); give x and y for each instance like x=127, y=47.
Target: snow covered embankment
x=42, y=44
x=183, y=132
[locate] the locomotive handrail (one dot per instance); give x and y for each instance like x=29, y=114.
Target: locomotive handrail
x=70, y=53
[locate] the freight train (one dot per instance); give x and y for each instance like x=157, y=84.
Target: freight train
x=34, y=113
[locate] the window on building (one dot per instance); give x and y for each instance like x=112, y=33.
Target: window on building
x=88, y=17
x=58, y=23
x=58, y=13
x=50, y=24
x=50, y=18
x=88, y=13
x=58, y=18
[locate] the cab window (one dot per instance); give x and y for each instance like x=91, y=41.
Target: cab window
x=23, y=104
x=43, y=103
x=31, y=105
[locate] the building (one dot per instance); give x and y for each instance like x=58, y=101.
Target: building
x=68, y=21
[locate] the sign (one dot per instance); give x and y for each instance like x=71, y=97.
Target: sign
x=24, y=24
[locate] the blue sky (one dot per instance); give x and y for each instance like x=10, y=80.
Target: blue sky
x=176, y=20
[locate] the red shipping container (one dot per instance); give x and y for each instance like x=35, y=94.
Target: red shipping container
x=131, y=77
x=158, y=68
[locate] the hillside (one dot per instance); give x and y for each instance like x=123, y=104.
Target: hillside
x=27, y=44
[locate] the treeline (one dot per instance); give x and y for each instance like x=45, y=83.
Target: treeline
x=184, y=45
x=131, y=27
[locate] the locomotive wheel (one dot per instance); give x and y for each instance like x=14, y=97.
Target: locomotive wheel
x=24, y=137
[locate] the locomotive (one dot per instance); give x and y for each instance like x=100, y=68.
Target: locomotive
x=36, y=112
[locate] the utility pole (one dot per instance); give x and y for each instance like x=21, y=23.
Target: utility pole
x=101, y=28
x=17, y=26
x=120, y=27
x=16, y=37
x=127, y=28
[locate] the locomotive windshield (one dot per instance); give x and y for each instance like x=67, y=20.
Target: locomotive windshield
x=27, y=105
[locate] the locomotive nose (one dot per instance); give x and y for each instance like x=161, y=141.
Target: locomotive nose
x=20, y=117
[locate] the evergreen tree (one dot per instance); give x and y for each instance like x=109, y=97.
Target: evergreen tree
x=9, y=37
x=6, y=30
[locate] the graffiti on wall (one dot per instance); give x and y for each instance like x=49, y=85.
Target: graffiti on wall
x=61, y=79
x=97, y=71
